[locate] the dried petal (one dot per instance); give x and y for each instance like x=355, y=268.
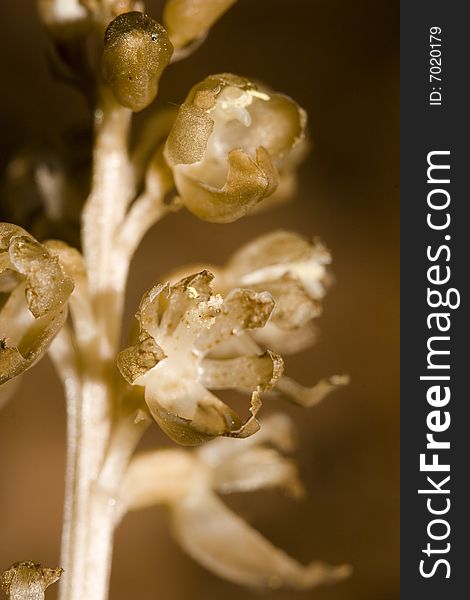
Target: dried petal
x=272, y=256
x=136, y=51
x=187, y=20
x=28, y=580
x=226, y=545
x=140, y=358
x=227, y=143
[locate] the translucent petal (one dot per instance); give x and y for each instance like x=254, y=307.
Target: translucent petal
x=242, y=310
x=189, y=293
x=248, y=182
x=47, y=288
x=294, y=307
x=135, y=361
x=159, y=476
x=243, y=372
x=310, y=396
x=226, y=545
x=276, y=430
x=287, y=341
x=204, y=415
x=16, y=359
x=257, y=468
x=276, y=248
x=35, y=308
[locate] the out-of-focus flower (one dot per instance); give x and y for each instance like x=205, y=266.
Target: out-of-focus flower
x=34, y=291
x=179, y=357
x=64, y=19
x=136, y=51
x=294, y=270
x=28, y=580
x=188, y=20
x=228, y=143
x=188, y=483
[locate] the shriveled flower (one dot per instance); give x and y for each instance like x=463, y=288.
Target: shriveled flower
x=189, y=20
x=179, y=357
x=34, y=291
x=188, y=483
x=136, y=51
x=228, y=142
x=28, y=580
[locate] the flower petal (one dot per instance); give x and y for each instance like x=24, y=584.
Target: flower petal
x=140, y=358
x=16, y=359
x=276, y=430
x=287, y=341
x=47, y=287
x=223, y=543
x=159, y=476
x=248, y=182
x=257, y=468
x=242, y=372
x=36, y=308
x=270, y=257
x=242, y=310
x=310, y=396
x=210, y=417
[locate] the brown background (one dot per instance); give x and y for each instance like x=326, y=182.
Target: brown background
x=339, y=59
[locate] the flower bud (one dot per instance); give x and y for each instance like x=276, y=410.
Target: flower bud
x=229, y=139
x=136, y=51
x=187, y=20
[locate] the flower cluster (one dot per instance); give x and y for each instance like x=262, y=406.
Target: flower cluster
x=204, y=333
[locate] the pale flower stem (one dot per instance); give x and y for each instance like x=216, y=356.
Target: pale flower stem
x=103, y=214
x=88, y=518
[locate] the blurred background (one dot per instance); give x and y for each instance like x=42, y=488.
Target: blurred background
x=339, y=60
